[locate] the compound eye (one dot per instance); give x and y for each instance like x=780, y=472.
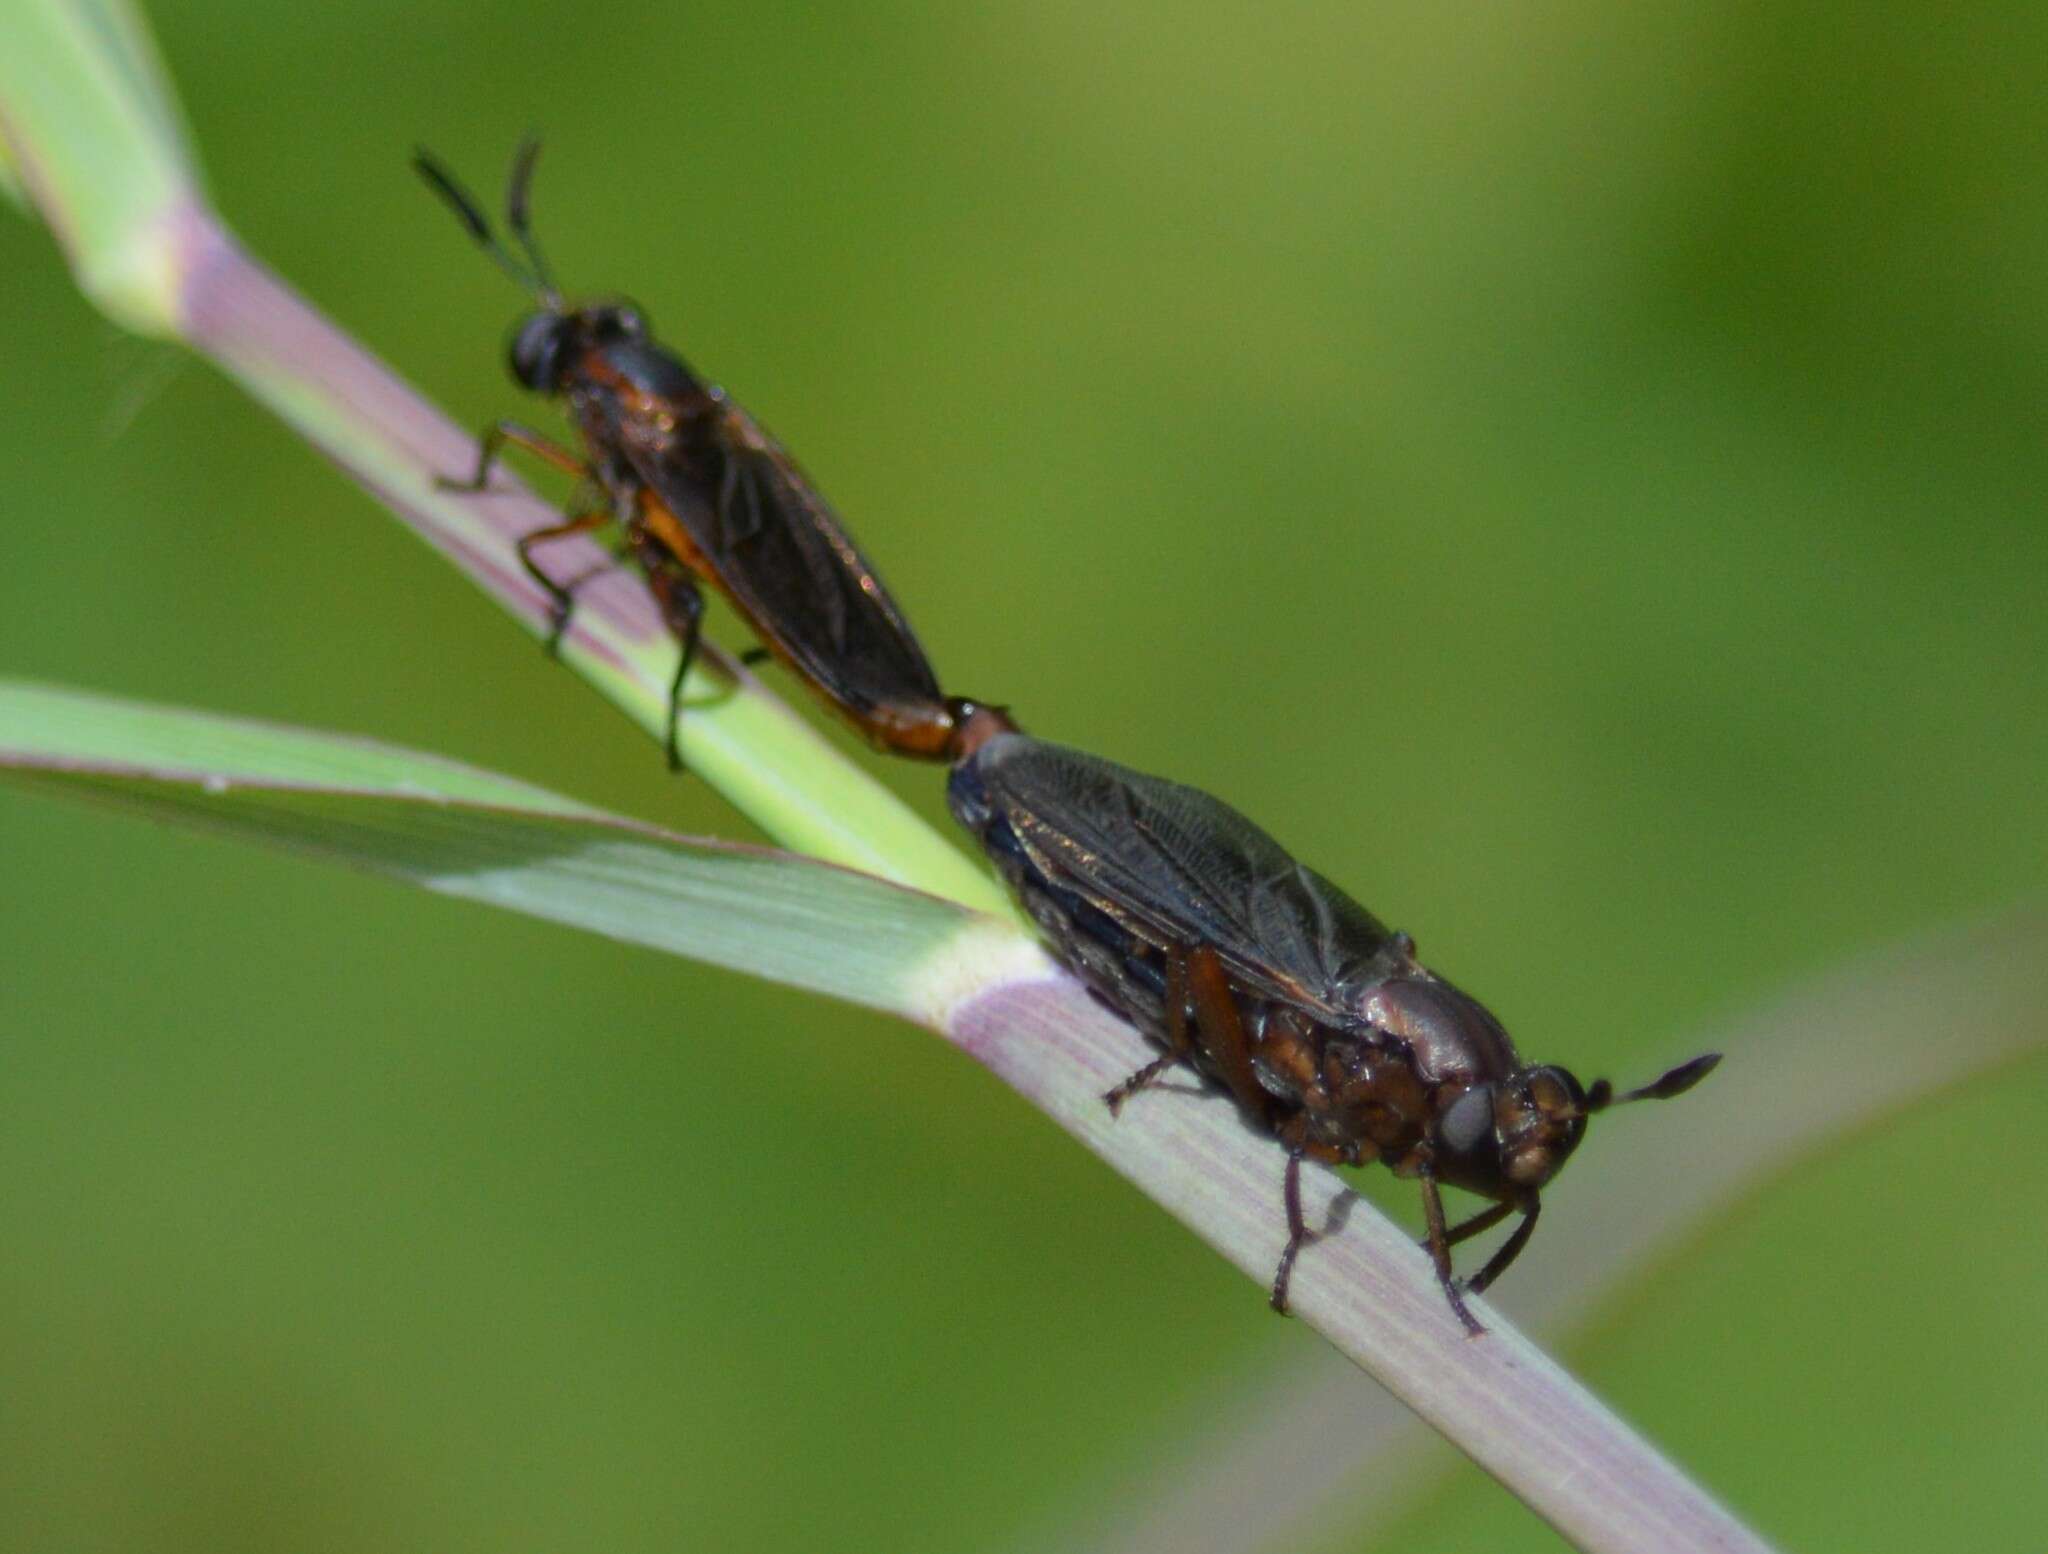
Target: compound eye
x=1469, y=1120
x=538, y=350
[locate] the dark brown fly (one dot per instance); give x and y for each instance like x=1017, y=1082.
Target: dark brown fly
x=698, y=491
x=1201, y=930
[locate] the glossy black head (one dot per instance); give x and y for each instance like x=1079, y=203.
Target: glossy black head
x=540, y=349
x=547, y=344
x=1506, y=1138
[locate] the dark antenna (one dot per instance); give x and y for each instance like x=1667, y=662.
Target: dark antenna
x=471, y=215
x=1681, y=1079
x=522, y=229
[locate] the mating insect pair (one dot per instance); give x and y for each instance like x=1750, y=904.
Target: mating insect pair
x=1177, y=911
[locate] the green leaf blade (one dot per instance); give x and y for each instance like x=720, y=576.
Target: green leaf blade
x=462, y=832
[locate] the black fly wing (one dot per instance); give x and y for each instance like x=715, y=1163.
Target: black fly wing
x=1188, y=867
x=780, y=552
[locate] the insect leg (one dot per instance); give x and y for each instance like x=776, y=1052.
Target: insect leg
x=1510, y=1248
x=755, y=656
x=682, y=607
x=493, y=442
x=1295, y=1134
x=1479, y=1223
x=1180, y=1043
x=563, y=600
x=1298, y=1234
x=1439, y=1244
x=1222, y=1031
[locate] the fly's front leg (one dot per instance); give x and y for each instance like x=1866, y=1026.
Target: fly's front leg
x=1439, y=1244
x=1201, y=1011
x=518, y=435
x=1510, y=1249
x=1477, y=1225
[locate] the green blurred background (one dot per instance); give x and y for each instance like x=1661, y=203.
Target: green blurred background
x=1576, y=476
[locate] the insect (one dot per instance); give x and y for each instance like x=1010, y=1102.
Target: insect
x=699, y=492
x=1198, y=928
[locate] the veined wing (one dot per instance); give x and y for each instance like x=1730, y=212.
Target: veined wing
x=1189, y=867
x=782, y=556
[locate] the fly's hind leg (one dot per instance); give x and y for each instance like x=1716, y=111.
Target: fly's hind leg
x=1477, y=1225
x=1201, y=1014
x=1225, y=1041
x=682, y=607
x=1180, y=1041
x=1510, y=1249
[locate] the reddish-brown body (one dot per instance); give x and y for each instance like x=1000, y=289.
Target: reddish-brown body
x=1197, y=927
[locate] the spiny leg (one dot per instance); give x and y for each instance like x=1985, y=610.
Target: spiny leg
x=1439, y=1244
x=1510, y=1249
x=563, y=601
x=519, y=435
x=1180, y=1043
